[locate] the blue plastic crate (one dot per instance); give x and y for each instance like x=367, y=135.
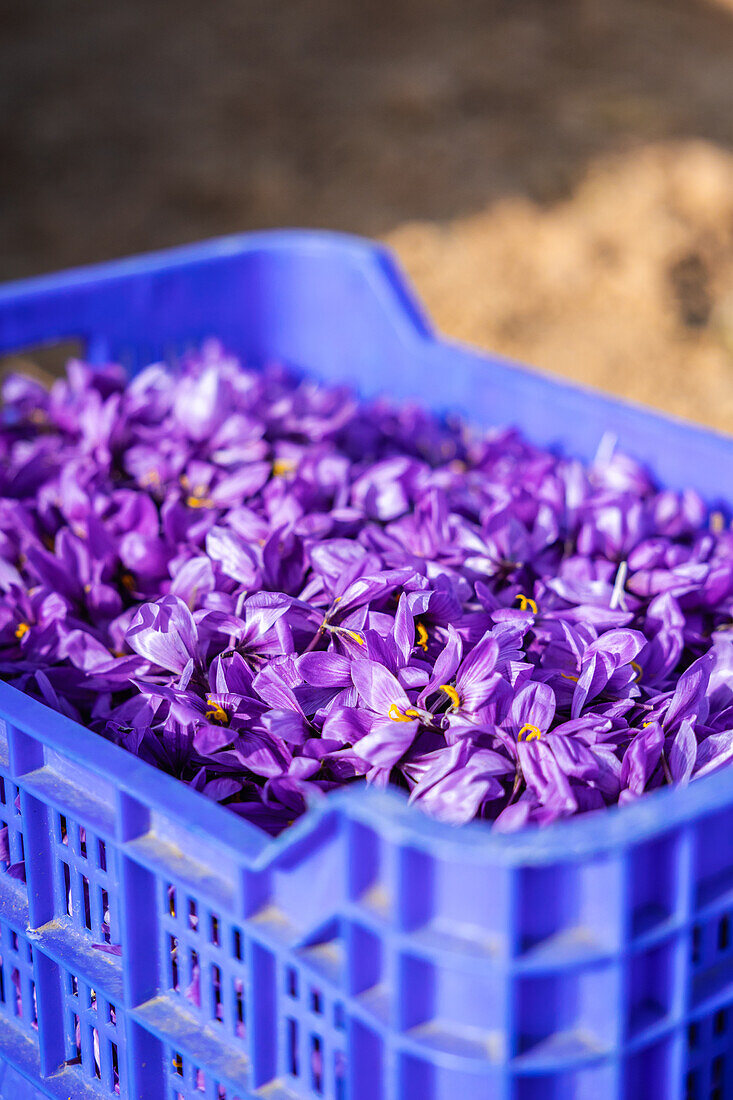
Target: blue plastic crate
x=369, y=953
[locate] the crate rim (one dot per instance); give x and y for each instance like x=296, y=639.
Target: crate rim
x=388, y=812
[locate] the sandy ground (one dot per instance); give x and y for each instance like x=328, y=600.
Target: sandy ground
x=627, y=284
x=556, y=175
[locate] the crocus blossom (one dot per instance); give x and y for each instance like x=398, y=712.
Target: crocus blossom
x=271, y=590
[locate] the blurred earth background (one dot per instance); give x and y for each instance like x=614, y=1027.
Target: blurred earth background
x=555, y=175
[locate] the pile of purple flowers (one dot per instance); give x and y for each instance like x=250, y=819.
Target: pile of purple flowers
x=270, y=590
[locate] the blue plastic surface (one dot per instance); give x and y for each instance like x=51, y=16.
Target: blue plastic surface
x=369, y=953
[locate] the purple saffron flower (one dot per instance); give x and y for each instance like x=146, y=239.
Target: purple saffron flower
x=270, y=590
x=394, y=721
x=454, y=782
x=467, y=683
x=165, y=634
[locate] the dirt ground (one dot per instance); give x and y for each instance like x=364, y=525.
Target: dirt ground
x=555, y=175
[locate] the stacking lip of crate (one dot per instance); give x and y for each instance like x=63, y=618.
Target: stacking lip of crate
x=369, y=953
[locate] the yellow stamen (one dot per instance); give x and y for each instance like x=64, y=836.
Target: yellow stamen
x=128, y=581
x=452, y=694
x=216, y=713
x=152, y=477
x=532, y=734
x=422, y=636
x=87, y=588
x=526, y=603
x=199, y=502
x=396, y=714
x=38, y=416
x=282, y=466
x=344, y=630
x=637, y=669
x=717, y=522
x=569, y=676
x=21, y=630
